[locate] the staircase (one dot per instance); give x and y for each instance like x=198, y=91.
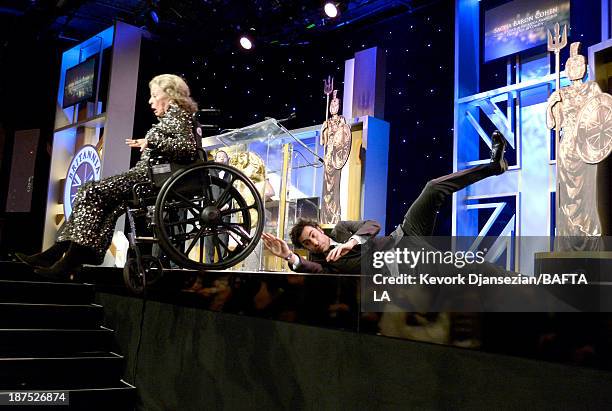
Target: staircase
x=52, y=339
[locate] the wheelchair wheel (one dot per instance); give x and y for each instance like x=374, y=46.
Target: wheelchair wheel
x=208, y=217
x=136, y=280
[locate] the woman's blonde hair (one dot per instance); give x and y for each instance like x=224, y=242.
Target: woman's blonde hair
x=175, y=88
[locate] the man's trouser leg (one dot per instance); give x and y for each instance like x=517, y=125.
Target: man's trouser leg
x=419, y=221
x=421, y=216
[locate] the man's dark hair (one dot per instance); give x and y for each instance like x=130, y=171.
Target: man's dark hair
x=296, y=230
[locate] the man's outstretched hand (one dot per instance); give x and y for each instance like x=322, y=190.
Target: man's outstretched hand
x=276, y=246
x=341, y=250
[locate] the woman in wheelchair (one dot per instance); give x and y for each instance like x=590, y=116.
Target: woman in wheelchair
x=88, y=233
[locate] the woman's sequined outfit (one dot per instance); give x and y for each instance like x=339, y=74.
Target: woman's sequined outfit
x=99, y=204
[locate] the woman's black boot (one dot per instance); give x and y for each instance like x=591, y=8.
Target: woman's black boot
x=46, y=258
x=76, y=256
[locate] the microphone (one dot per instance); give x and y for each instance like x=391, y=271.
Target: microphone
x=292, y=116
x=282, y=120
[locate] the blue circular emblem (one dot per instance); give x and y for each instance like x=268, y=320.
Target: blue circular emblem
x=85, y=167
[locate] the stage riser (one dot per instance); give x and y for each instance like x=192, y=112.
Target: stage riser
x=29, y=373
x=238, y=362
x=45, y=293
x=17, y=315
x=116, y=397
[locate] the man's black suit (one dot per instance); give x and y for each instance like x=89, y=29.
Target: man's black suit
x=418, y=221
x=349, y=263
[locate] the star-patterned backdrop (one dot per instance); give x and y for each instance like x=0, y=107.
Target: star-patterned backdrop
x=275, y=80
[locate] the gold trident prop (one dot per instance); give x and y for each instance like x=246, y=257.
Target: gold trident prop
x=328, y=87
x=556, y=43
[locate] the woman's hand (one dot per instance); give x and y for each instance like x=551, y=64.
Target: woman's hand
x=140, y=143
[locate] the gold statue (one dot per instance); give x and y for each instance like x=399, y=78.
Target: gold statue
x=336, y=137
x=254, y=168
x=580, y=113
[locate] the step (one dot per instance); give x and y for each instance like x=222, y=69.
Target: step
x=18, y=271
x=31, y=372
x=45, y=292
x=119, y=396
x=54, y=341
x=63, y=316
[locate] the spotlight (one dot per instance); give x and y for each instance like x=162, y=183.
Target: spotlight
x=154, y=16
x=331, y=10
x=246, y=43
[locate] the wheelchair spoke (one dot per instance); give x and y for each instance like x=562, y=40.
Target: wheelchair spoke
x=224, y=197
x=180, y=207
x=201, y=249
x=219, y=254
x=220, y=242
x=239, y=245
x=217, y=246
x=208, y=189
x=187, y=202
x=185, y=222
x=195, y=239
x=217, y=242
x=196, y=201
x=182, y=237
x=238, y=210
x=237, y=229
x=202, y=201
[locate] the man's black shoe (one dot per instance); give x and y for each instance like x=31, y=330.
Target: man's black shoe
x=498, y=148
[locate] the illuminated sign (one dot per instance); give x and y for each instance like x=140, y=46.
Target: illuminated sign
x=521, y=24
x=80, y=82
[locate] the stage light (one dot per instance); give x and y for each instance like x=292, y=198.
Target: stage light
x=331, y=10
x=246, y=43
x=154, y=16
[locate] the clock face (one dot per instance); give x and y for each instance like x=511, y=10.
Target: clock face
x=85, y=167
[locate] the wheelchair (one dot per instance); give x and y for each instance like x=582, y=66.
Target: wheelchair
x=203, y=215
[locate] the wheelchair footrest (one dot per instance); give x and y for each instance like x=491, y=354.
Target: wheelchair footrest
x=138, y=211
x=145, y=239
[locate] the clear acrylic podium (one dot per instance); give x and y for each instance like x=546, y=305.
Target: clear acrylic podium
x=286, y=167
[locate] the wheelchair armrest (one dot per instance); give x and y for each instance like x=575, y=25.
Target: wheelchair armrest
x=153, y=160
